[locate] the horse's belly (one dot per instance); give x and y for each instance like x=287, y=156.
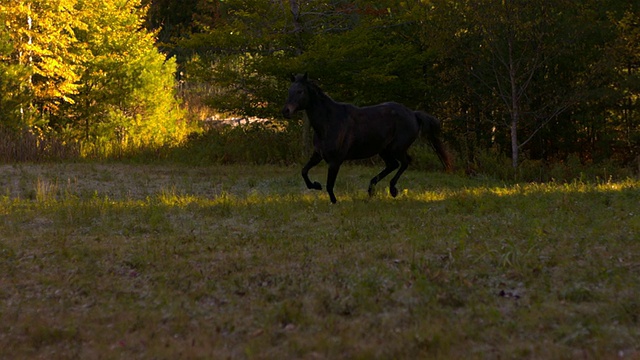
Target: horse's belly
x=365, y=150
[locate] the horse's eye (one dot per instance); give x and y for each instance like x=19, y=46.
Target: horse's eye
x=300, y=92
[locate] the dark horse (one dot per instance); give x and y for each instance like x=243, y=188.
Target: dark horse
x=345, y=132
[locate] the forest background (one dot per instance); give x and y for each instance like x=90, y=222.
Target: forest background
x=548, y=88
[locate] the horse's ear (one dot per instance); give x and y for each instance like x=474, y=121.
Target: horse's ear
x=305, y=77
x=292, y=77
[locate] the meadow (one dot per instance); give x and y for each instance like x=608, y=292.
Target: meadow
x=107, y=260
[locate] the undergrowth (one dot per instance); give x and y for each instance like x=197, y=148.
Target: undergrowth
x=281, y=143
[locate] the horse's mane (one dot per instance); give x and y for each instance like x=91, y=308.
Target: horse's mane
x=315, y=88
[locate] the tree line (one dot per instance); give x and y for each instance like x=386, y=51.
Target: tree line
x=541, y=80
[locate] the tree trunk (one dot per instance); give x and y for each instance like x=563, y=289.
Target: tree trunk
x=295, y=11
x=514, y=142
x=307, y=137
x=515, y=108
x=297, y=26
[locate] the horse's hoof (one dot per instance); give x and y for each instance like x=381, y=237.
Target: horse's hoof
x=371, y=191
x=316, y=186
x=393, y=191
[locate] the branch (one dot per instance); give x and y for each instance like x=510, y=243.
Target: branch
x=555, y=114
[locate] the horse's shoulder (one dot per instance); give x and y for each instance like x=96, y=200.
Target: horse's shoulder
x=349, y=110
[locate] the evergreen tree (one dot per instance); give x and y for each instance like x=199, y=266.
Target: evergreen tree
x=126, y=90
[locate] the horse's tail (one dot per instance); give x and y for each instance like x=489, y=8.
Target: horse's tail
x=430, y=126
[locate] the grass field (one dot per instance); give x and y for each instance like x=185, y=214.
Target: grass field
x=168, y=262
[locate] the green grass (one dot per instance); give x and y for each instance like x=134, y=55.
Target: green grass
x=158, y=261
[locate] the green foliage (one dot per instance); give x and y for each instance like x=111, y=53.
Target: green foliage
x=367, y=65
x=360, y=53
x=228, y=57
x=514, y=77
x=127, y=85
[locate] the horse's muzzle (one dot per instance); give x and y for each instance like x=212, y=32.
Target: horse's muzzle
x=288, y=110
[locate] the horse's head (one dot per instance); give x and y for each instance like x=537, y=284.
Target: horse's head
x=298, y=95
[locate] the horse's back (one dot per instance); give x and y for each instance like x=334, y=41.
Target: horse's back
x=403, y=119
x=389, y=126
x=386, y=112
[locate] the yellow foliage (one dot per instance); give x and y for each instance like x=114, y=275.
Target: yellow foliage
x=93, y=69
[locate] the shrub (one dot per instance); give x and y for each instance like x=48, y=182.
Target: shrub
x=256, y=143
x=24, y=145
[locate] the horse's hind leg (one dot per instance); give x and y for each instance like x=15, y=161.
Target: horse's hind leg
x=331, y=179
x=313, y=161
x=390, y=164
x=405, y=160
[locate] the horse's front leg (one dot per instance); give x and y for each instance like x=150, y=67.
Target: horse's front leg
x=334, y=167
x=315, y=160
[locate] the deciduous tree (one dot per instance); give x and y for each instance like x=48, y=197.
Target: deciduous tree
x=88, y=69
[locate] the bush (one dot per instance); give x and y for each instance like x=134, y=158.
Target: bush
x=491, y=164
x=256, y=143
x=23, y=146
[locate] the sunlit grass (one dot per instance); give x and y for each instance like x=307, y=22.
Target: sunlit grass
x=245, y=262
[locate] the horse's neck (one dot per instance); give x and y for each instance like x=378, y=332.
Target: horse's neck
x=322, y=112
